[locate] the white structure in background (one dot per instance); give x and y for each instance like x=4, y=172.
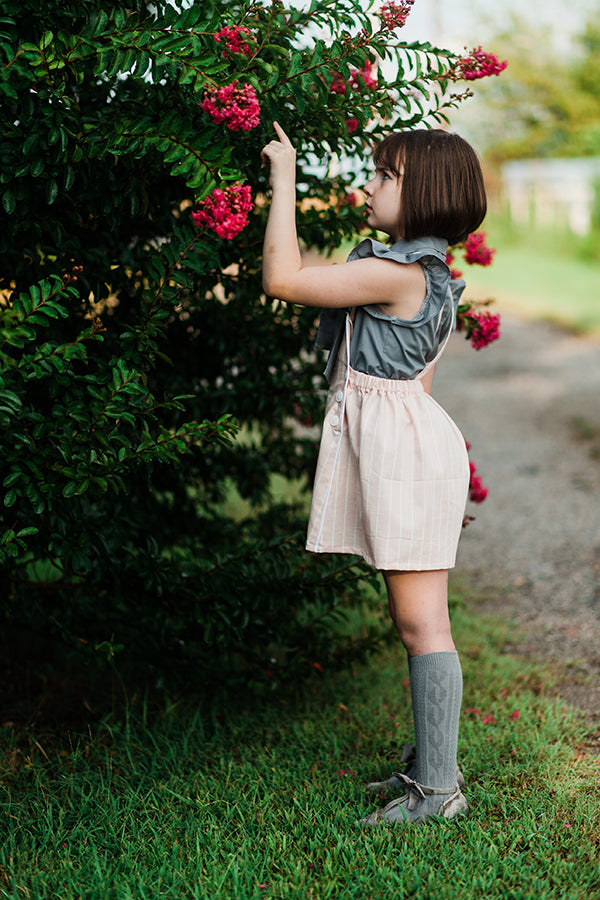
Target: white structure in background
x=550, y=192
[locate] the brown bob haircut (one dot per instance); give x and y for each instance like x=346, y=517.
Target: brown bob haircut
x=443, y=194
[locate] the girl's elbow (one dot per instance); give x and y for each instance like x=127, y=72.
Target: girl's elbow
x=274, y=287
x=269, y=286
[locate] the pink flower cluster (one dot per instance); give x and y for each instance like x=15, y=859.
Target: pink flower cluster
x=477, y=490
x=394, y=15
x=484, y=330
x=477, y=253
x=236, y=107
x=357, y=78
x=481, y=328
x=338, y=84
x=234, y=38
x=478, y=64
x=364, y=75
x=225, y=210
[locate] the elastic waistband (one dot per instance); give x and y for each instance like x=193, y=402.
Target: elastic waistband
x=366, y=382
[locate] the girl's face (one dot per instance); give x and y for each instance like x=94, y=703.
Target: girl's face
x=383, y=201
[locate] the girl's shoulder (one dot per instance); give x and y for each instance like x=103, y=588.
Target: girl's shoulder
x=427, y=250
x=431, y=253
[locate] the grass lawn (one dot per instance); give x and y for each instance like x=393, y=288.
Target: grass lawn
x=260, y=799
x=539, y=276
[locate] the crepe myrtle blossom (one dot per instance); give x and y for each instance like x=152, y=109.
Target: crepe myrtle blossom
x=477, y=253
x=394, y=15
x=225, y=210
x=236, y=107
x=484, y=330
x=235, y=39
x=477, y=64
x=338, y=84
x=481, y=328
x=363, y=77
x=477, y=490
x=359, y=79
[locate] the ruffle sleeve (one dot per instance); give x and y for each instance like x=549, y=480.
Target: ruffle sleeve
x=431, y=253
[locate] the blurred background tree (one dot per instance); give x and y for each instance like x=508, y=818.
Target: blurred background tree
x=550, y=104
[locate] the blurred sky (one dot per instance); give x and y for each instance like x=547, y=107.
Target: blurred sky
x=472, y=22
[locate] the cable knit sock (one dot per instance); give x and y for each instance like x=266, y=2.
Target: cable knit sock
x=436, y=690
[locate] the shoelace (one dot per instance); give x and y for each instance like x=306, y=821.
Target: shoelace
x=417, y=792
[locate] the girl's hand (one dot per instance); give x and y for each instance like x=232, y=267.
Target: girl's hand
x=282, y=158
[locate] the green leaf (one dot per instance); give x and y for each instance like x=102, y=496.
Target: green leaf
x=82, y=487
x=69, y=177
x=51, y=191
x=101, y=23
x=11, y=399
x=29, y=143
x=9, y=201
x=296, y=65
x=27, y=532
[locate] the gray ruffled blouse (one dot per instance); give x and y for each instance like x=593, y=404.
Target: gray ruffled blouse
x=388, y=346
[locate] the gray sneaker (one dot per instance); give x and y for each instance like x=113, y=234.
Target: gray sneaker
x=393, y=784
x=419, y=803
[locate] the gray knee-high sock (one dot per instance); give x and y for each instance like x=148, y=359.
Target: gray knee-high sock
x=436, y=691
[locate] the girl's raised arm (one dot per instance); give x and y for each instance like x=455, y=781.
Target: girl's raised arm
x=396, y=288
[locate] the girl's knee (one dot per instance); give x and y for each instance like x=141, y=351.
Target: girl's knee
x=426, y=633
x=418, y=607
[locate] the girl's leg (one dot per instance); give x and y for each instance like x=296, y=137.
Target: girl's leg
x=418, y=604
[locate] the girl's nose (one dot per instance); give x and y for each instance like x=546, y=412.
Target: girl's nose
x=367, y=188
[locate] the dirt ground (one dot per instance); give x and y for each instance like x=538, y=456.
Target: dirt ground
x=530, y=407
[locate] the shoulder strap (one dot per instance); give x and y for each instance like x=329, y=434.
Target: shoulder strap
x=441, y=346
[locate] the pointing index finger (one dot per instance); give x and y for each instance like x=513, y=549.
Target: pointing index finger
x=281, y=134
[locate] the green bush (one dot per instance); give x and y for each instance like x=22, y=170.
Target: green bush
x=134, y=343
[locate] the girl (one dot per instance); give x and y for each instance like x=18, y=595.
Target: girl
x=392, y=477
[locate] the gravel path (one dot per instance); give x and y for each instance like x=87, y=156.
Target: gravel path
x=530, y=407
